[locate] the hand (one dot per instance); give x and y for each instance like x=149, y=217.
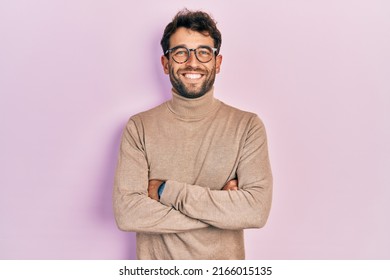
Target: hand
x=232, y=185
x=153, y=188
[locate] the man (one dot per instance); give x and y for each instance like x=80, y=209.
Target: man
x=193, y=172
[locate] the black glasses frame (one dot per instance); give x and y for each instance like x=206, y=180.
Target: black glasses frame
x=189, y=53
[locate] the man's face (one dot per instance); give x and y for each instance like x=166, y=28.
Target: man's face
x=192, y=78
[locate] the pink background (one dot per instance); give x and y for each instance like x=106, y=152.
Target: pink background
x=316, y=72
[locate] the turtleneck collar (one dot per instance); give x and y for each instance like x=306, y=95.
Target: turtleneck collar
x=188, y=108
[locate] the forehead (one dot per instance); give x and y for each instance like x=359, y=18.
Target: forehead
x=189, y=38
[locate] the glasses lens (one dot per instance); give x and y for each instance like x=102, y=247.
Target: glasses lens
x=180, y=55
x=204, y=54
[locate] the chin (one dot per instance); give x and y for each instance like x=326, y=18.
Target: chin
x=192, y=95
x=190, y=91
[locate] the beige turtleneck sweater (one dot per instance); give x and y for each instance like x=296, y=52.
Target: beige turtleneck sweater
x=196, y=146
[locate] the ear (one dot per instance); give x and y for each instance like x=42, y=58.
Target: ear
x=218, y=62
x=165, y=64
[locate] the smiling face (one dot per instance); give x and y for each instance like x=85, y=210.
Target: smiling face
x=191, y=79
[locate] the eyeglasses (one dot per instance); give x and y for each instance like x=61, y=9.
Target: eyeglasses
x=181, y=54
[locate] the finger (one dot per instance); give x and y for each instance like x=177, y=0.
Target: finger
x=230, y=188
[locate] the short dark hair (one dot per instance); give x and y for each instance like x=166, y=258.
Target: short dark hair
x=195, y=20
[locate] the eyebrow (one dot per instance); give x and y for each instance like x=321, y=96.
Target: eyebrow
x=184, y=46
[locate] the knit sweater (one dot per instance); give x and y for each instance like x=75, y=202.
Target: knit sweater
x=196, y=146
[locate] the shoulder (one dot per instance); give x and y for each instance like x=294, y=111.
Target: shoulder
x=150, y=114
x=250, y=117
x=254, y=127
x=135, y=124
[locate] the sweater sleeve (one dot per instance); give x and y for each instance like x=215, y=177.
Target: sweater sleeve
x=133, y=209
x=247, y=207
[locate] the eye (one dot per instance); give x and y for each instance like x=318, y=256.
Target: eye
x=180, y=52
x=204, y=52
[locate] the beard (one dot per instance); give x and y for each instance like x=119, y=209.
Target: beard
x=190, y=91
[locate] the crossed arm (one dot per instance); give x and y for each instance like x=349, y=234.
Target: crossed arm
x=154, y=184
x=183, y=207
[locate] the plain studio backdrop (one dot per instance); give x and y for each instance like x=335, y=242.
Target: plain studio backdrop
x=316, y=72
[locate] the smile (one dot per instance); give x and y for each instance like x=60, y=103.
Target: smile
x=192, y=76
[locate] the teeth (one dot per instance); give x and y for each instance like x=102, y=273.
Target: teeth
x=193, y=76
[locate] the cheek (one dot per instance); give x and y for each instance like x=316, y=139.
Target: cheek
x=211, y=69
x=172, y=70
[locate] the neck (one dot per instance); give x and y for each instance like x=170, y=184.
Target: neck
x=190, y=108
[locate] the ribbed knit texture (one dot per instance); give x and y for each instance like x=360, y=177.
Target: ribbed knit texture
x=196, y=146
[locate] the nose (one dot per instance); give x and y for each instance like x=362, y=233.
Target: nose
x=192, y=60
